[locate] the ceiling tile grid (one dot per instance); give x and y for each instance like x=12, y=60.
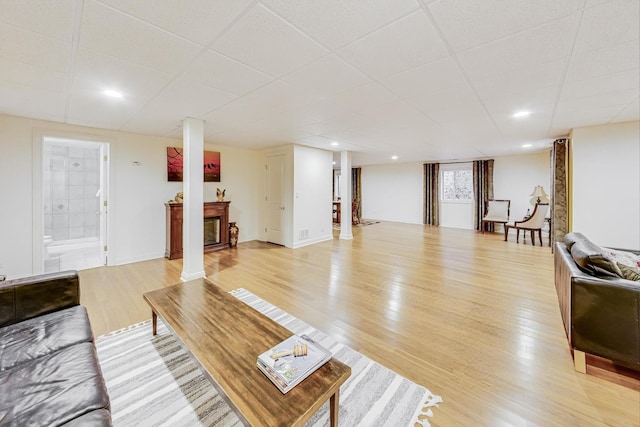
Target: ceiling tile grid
x=434, y=80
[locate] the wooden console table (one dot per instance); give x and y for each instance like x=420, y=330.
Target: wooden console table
x=216, y=233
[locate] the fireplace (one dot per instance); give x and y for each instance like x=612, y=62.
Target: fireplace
x=216, y=228
x=211, y=231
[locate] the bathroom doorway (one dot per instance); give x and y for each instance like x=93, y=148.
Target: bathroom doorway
x=75, y=205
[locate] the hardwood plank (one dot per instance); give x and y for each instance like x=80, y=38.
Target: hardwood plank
x=473, y=318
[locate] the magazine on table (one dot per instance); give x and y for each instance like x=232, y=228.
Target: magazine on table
x=291, y=361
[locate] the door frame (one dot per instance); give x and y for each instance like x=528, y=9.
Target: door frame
x=37, y=212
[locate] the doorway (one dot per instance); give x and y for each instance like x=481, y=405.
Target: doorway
x=75, y=206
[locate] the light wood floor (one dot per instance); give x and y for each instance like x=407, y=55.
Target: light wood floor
x=471, y=317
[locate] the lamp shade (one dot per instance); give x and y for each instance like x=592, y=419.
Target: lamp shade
x=538, y=195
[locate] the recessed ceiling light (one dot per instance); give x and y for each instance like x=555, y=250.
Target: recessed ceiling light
x=394, y=157
x=334, y=143
x=521, y=114
x=526, y=145
x=113, y=93
x=333, y=163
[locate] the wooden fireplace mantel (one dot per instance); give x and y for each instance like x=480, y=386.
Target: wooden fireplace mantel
x=173, y=248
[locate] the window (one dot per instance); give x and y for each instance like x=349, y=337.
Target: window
x=457, y=183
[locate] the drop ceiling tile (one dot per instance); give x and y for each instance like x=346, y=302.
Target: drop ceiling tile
x=404, y=44
x=527, y=128
x=335, y=23
x=614, y=59
x=32, y=48
x=347, y=121
x=452, y=110
x=52, y=18
x=534, y=100
x=96, y=110
x=264, y=41
x=426, y=79
x=94, y=73
x=620, y=99
x=594, y=3
x=32, y=76
x=325, y=144
x=110, y=32
x=471, y=23
x=217, y=71
x=538, y=76
x=184, y=99
x=149, y=122
x=363, y=97
x=608, y=24
x=602, y=84
x=546, y=43
x=317, y=128
x=396, y=114
x=27, y=101
x=327, y=76
x=449, y=105
x=348, y=136
x=630, y=113
x=570, y=119
x=267, y=101
x=196, y=20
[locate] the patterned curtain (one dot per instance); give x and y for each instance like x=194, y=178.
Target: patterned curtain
x=482, y=188
x=356, y=190
x=431, y=197
x=559, y=190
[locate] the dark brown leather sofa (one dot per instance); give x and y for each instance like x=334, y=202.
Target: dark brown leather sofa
x=49, y=371
x=600, y=310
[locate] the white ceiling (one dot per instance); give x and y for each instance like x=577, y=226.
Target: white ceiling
x=420, y=79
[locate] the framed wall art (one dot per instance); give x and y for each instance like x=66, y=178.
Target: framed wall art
x=175, y=166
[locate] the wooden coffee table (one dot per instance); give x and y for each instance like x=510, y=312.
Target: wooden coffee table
x=224, y=336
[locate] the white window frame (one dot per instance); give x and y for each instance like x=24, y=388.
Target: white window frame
x=454, y=167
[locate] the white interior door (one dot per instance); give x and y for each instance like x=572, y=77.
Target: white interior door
x=275, y=199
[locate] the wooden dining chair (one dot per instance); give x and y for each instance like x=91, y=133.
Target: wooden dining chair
x=533, y=223
x=496, y=212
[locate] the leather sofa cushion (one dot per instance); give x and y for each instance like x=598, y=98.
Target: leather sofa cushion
x=573, y=237
x=54, y=389
x=592, y=259
x=42, y=335
x=97, y=418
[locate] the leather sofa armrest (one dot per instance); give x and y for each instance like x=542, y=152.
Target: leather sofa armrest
x=28, y=297
x=605, y=318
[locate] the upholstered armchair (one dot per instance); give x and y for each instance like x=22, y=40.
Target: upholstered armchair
x=496, y=212
x=533, y=223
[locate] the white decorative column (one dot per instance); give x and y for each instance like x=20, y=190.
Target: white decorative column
x=193, y=207
x=345, y=195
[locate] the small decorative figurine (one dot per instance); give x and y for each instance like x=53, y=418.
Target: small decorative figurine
x=220, y=194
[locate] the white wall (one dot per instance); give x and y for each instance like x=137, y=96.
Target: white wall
x=393, y=192
x=137, y=193
x=312, y=194
x=514, y=178
x=606, y=184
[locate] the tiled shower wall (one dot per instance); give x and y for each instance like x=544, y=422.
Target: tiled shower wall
x=71, y=178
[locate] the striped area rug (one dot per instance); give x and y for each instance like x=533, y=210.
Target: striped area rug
x=153, y=382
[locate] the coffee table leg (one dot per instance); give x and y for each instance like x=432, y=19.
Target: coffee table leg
x=154, y=322
x=334, y=408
